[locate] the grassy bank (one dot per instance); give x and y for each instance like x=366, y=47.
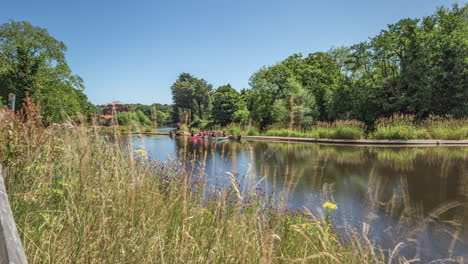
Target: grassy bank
x=395, y=127
x=405, y=127
x=78, y=199
x=128, y=129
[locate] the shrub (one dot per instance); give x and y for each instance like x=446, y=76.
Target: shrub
x=183, y=128
x=142, y=118
x=148, y=129
x=235, y=130
x=253, y=131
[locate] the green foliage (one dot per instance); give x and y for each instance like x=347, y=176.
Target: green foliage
x=235, y=130
x=228, y=105
x=404, y=127
x=33, y=61
x=159, y=113
x=416, y=66
x=183, y=128
x=253, y=131
x=190, y=93
x=350, y=129
x=241, y=116
x=201, y=124
x=137, y=118
x=395, y=132
x=348, y=132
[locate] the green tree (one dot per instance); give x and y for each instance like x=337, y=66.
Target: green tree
x=190, y=93
x=33, y=61
x=297, y=91
x=136, y=118
x=226, y=102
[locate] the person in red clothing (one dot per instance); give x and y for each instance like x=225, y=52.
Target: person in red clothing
x=224, y=133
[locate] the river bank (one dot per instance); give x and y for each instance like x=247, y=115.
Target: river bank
x=361, y=141
x=413, y=142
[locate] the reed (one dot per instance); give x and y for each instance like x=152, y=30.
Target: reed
x=341, y=129
x=434, y=127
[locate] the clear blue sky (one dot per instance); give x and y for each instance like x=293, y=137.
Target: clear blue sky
x=133, y=51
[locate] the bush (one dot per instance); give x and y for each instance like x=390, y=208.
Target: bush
x=183, y=128
x=235, y=130
x=142, y=118
x=148, y=129
x=253, y=131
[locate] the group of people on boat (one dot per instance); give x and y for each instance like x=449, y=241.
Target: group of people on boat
x=208, y=134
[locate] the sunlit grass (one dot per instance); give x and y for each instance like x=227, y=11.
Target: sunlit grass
x=349, y=129
x=405, y=127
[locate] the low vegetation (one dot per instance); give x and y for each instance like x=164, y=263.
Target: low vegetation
x=405, y=127
x=396, y=127
x=137, y=118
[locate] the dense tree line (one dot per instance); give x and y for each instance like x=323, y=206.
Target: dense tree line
x=416, y=66
x=32, y=61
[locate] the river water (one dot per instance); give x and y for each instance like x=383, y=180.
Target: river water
x=417, y=196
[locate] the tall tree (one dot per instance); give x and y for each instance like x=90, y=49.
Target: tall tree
x=33, y=61
x=190, y=93
x=226, y=102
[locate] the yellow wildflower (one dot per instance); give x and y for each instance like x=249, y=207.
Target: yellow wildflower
x=330, y=206
x=141, y=152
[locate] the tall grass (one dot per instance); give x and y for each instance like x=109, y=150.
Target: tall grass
x=405, y=127
x=342, y=129
x=77, y=198
x=445, y=127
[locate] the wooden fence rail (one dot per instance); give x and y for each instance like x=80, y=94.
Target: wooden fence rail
x=11, y=249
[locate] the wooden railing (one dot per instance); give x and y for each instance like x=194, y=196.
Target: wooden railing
x=11, y=249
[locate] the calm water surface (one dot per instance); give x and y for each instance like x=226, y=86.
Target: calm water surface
x=414, y=195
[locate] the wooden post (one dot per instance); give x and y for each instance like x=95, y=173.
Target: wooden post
x=12, y=99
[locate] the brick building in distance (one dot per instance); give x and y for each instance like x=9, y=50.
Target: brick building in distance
x=114, y=108
x=110, y=111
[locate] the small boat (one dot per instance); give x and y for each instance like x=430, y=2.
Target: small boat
x=172, y=135
x=135, y=132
